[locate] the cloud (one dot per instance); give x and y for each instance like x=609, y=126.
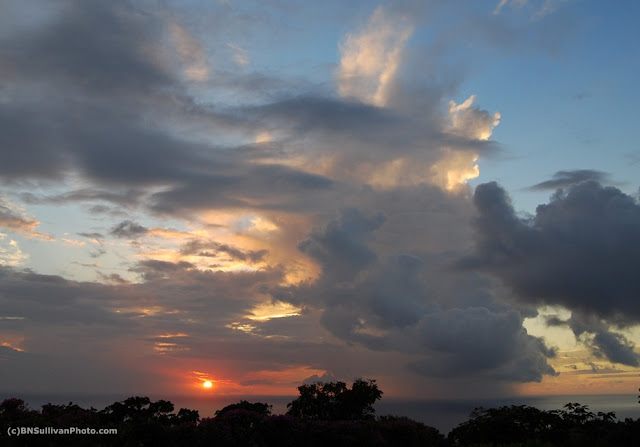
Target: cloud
x=577, y=252
x=125, y=198
x=179, y=319
x=341, y=220
x=471, y=122
x=604, y=343
x=194, y=156
x=94, y=236
x=191, y=52
x=239, y=55
x=479, y=340
x=129, y=229
x=242, y=186
x=76, y=322
x=213, y=248
x=545, y=8
x=369, y=60
x=340, y=247
x=113, y=37
x=503, y=3
x=616, y=348
x=8, y=353
x=562, y=179
x=382, y=147
x=10, y=253
x=548, y=7
x=11, y=220
x=389, y=304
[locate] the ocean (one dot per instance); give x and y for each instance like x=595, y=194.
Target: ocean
x=447, y=414
x=443, y=414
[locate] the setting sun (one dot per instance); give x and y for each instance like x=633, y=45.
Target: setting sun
x=207, y=384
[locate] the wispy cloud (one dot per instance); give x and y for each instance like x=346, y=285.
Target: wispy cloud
x=562, y=179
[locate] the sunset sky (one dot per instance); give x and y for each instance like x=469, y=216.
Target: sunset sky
x=440, y=195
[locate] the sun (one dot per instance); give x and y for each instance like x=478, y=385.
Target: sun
x=207, y=384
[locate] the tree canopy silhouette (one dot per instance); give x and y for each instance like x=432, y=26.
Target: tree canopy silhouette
x=335, y=401
x=257, y=407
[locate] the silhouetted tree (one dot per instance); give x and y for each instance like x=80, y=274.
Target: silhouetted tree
x=186, y=416
x=257, y=407
x=335, y=401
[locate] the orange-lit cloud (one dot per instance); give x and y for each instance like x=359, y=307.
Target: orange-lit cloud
x=14, y=219
x=273, y=309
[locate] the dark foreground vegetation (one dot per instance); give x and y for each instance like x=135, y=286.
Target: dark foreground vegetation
x=325, y=414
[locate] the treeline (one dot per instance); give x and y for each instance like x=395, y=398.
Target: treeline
x=324, y=414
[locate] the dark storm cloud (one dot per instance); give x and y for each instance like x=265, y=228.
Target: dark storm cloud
x=485, y=342
x=562, y=179
x=129, y=229
x=387, y=304
x=579, y=250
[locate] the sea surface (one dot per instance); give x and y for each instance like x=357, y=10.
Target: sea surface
x=443, y=414
x=447, y=414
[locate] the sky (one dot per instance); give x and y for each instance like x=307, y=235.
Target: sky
x=438, y=195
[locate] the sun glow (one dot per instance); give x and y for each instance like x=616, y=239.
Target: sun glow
x=207, y=384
